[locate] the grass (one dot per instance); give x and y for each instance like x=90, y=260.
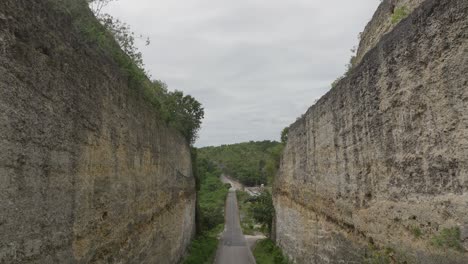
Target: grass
x=448, y=238
x=416, y=231
x=399, y=14
x=203, y=248
x=211, y=200
x=380, y=256
x=266, y=252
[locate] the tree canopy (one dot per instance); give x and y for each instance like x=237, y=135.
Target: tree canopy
x=252, y=163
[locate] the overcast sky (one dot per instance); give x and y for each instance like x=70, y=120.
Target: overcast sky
x=255, y=65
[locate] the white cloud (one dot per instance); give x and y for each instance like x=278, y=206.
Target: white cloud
x=256, y=65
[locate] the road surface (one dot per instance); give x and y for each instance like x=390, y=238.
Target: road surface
x=233, y=248
x=235, y=185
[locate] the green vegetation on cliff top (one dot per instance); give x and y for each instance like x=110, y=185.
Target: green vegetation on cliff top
x=116, y=41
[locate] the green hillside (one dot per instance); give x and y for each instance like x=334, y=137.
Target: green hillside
x=252, y=163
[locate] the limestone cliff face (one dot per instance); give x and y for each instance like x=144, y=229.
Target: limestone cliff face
x=382, y=23
x=378, y=168
x=88, y=172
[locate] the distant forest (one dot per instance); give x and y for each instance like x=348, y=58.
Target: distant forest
x=251, y=163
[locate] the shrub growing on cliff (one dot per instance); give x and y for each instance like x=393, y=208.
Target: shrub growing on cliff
x=115, y=39
x=284, y=135
x=448, y=238
x=184, y=113
x=399, y=14
x=120, y=31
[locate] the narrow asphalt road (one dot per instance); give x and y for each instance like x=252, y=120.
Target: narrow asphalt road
x=233, y=248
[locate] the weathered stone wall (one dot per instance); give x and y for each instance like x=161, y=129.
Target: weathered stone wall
x=88, y=172
x=384, y=154
x=381, y=23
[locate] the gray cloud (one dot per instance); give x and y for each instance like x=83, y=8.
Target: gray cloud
x=256, y=65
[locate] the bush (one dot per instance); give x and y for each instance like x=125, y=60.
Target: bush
x=203, y=248
x=416, y=231
x=380, y=256
x=266, y=252
x=263, y=210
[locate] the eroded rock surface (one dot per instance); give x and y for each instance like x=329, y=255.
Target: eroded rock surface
x=388, y=15
x=378, y=168
x=88, y=171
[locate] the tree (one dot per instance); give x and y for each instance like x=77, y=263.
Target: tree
x=121, y=31
x=263, y=210
x=185, y=114
x=284, y=135
x=97, y=5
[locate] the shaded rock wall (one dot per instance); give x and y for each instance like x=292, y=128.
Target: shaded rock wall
x=384, y=154
x=88, y=172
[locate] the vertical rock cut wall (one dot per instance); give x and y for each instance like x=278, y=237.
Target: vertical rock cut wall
x=384, y=154
x=88, y=172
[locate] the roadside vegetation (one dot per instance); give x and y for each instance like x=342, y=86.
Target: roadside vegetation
x=256, y=212
x=248, y=224
x=203, y=248
x=266, y=252
x=117, y=41
x=211, y=196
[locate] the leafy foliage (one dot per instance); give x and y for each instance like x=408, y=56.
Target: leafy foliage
x=284, y=135
x=97, y=5
x=250, y=162
x=263, y=210
x=120, y=31
x=184, y=113
x=416, y=231
x=266, y=252
x=212, y=194
x=247, y=221
x=203, y=248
